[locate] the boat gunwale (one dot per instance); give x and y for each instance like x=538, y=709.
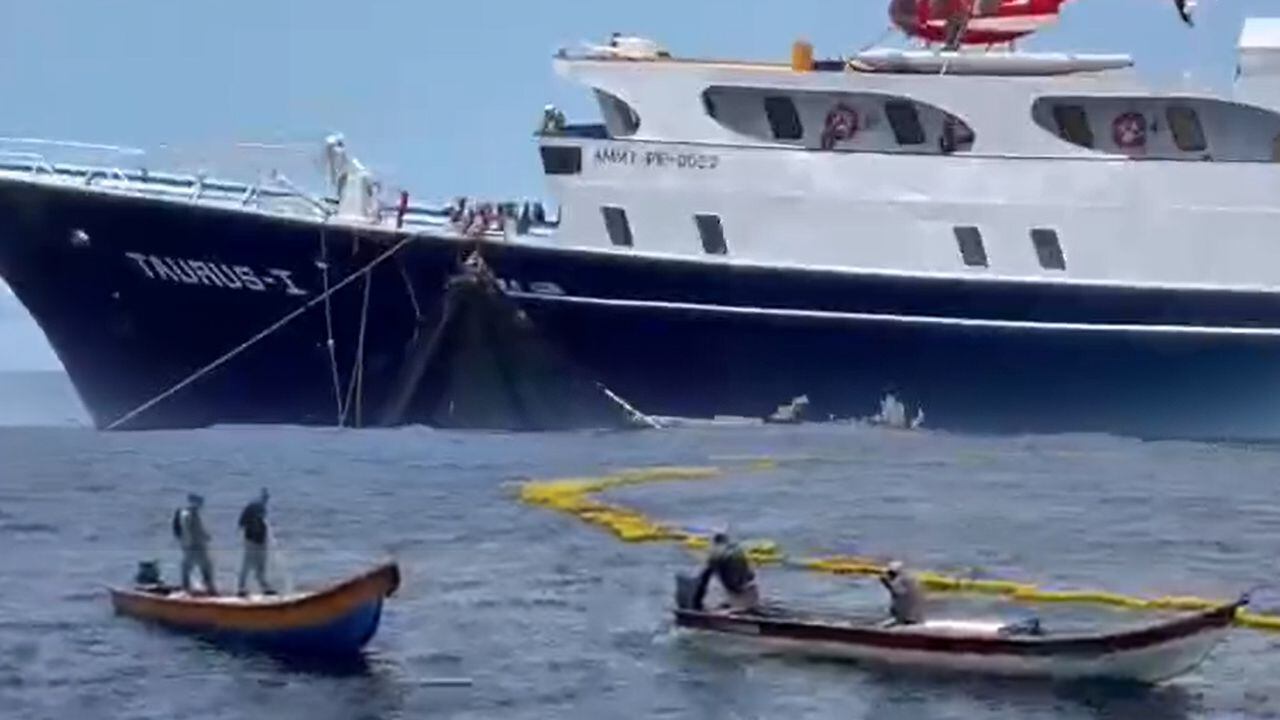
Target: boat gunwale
x=906, y=639
x=268, y=615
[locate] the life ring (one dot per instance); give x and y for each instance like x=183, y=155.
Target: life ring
x=1129, y=131
x=841, y=124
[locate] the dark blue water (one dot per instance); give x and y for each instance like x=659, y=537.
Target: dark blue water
x=553, y=619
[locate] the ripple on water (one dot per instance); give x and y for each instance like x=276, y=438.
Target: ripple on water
x=27, y=528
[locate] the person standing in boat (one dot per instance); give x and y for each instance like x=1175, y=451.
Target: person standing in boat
x=906, y=598
x=253, y=525
x=188, y=528
x=729, y=563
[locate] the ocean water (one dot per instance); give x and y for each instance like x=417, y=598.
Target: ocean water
x=39, y=399
x=549, y=618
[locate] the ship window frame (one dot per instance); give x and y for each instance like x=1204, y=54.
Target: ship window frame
x=709, y=105
x=1079, y=133
x=973, y=250
x=561, y=159
x=904, y=120
x=711, y=233
x=617, y=225
x=784, y=117
x=618, y=114
x=956, y=135
x=1048, y=247
x=737, y=109
x=1184, y=124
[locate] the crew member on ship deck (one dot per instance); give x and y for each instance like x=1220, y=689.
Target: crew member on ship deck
x=729, y=563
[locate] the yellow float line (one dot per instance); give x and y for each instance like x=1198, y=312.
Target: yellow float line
x=574, y=496
x=1027, y=593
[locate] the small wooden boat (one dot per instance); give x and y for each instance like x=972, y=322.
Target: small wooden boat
x=336, y=620
x=1151, y=654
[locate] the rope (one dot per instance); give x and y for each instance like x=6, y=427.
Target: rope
x=883, y=36
x=355, y=388
x=410, y=378
x=413, y=296
x=280, y=561
x=635, y=414
x=193, y=377
x=328, y=324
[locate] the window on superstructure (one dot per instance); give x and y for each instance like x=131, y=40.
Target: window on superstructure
x=712, y=234
x=709, y=104
x=956, y=135
x=1048, y=249
x=617, y=225
x=972, y=251
x=619, y=116
x=1073, y=125
x=905, y=121
x=784, y=120
x=1188, y=133
x=560, y=160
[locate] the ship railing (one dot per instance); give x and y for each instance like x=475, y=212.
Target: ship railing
x=33, y=161
x=195, y=187
x=274, y=193
x=586, y=131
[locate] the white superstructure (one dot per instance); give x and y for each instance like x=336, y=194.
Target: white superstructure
x=983, y=165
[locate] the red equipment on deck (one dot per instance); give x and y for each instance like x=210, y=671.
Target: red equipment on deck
x=973, y=22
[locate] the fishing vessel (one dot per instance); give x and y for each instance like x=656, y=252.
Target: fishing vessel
x=336, y=620
x=1001, y=240
x=1148, y=655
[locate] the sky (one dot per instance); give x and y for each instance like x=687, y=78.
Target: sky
x=440, y=98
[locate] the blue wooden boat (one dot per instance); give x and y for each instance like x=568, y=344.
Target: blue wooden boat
x=336, y=620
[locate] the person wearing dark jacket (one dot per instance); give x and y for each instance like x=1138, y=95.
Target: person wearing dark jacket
x=253, y=525
x=729, y=564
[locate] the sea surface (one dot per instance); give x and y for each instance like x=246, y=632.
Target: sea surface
x=549, y=618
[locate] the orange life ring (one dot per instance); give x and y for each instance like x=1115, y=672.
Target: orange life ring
x=842, y=124
x=1129, y=131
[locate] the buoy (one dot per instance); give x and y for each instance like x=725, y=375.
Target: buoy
x=802, y=56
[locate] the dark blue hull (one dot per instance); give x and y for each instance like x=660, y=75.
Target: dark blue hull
x=342, y=637
x=136, y=295
x=346, y=635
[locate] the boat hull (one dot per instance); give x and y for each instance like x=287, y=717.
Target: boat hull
x=336, y=621
x=153, y=307
x=1148, y=656
x=1142, y=666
